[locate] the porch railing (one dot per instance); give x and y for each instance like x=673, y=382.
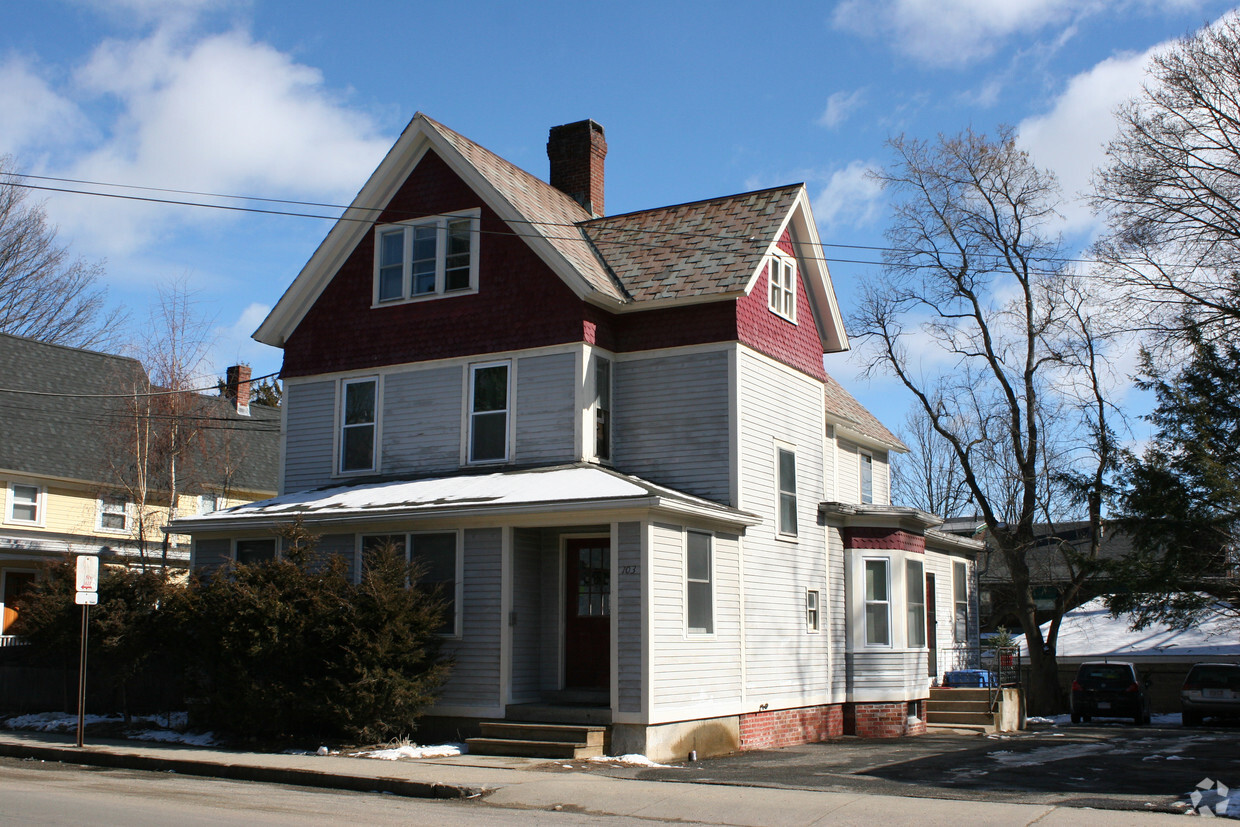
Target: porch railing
x=11, y=640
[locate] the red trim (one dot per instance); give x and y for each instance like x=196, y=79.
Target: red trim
x=893, y=539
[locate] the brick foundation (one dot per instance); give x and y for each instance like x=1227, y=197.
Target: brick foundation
x=885, y=720
x=788, y=727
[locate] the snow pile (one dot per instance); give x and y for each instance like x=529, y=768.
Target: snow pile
x=632, y=759
x=415, y=751
x=169, y=736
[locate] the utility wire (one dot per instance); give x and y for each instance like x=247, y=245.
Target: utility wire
x=130, y=395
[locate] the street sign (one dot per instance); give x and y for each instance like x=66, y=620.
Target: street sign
x=86, y=598
x=87, y=573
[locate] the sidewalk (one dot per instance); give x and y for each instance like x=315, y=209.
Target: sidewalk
x=518, y=783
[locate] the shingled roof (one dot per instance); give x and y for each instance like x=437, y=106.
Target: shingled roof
x=845, y=410
x=59, y=404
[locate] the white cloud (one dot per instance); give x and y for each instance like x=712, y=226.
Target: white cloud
x=840, y=107
x=232, y=345
x=35, y=116
x=851, y=198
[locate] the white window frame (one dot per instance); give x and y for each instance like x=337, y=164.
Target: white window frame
x=813, y=611
x=696, y=631
x=781, y=493
x=782, y=287
x=866, y=602
x=865, y=460
x=915, y=585
x=960, y=602
x=601, y=417
x=112, y=505
x=342, y=426
x=407, y=230
x=470, y=413
x=40, y=504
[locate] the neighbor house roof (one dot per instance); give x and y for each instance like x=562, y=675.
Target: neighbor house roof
x=1089, y=631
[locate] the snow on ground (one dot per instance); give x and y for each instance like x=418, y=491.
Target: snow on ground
x=415, y=751
x=162, y=728
x=634, y=759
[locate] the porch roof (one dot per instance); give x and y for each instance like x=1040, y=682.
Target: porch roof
x=579, y=487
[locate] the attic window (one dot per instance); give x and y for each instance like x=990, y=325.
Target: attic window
x=426, y=258
x=783, y=280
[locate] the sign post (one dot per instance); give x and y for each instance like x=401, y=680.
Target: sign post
x=87, y=596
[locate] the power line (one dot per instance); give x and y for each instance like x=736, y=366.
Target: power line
x=134, y=395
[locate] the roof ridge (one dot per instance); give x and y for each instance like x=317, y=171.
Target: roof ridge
x=73, y=348
x=604, y=218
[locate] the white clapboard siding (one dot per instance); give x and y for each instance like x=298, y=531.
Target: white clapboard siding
x=475, y=677
x=897, y=674
x=211, y=554
x=546, y=408
x=670, y=417
x=310, y=418
x=835, y=611
x=783, y=661
x=421, y=422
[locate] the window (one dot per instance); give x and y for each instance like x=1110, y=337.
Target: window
x=602, y=408
x=812, y=618
x=699, y=591
x=866, y=462
x=915, y=599
x=877, y=603
x=208, y=503
x=488, y=413
x=783, y=278
x=420, y=259
x=25, y=504
x=435, y=555
x=113, y=514
x=253, y=552
x=358, y=416
x=960, y=589
x=787, y=482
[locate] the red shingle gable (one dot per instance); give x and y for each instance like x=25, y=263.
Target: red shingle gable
x=796, y=344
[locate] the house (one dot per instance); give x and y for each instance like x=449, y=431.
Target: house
x=69, y=417
x=613, y=441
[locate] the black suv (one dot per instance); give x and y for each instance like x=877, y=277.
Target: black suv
x=1109, y=689
x=1210, y=689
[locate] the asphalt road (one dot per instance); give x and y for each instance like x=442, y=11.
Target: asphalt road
x=1108, y=766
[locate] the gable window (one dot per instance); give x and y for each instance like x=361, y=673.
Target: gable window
x=699, y=589
x=602, y=408
x=358, y=419
x=253, y=552
x=113, y=514
x=25, y=504
x=432, y=257
x=877, y=603
x=915, y=600
x=488, y=412
x=786, y=475
x=783, y=278
x=813, y=620
x=960, y=591
x=866, y=473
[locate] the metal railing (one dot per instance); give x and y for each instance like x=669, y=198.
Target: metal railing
x=11, y=640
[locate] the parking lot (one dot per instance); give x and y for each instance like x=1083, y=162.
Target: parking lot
x=1107, y=765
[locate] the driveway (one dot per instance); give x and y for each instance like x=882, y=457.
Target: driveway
x=1111, y=766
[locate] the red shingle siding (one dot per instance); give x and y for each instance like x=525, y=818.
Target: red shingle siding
x=885, y=720
x=520, y=302
x=883, y=538
x=796, y=345
x=789, y=727
x=692, y=324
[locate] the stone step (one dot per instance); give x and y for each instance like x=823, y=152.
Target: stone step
x=592, y=736
x=532, y=749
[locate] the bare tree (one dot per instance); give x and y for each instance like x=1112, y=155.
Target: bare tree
x=1170, y=190
x=928, y=477
x=44, y=292
x=975, y=283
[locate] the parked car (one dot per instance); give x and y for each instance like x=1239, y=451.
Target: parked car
x=1110, y=689
x=1210, y=689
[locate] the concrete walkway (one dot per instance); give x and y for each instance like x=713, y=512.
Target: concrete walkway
x=537, y=784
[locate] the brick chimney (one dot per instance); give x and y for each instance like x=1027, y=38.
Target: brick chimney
x=576, y=151
x=237, y=387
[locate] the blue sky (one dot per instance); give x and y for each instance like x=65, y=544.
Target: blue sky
x=301, y=101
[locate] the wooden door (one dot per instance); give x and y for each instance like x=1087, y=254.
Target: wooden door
x=932, y=627
x=587, y=614
x=15, y=583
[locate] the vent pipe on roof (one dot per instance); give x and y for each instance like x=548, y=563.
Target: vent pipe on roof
x=576, y=151
x=237, y=388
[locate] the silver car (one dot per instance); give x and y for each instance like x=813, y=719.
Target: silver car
x=1210, y=689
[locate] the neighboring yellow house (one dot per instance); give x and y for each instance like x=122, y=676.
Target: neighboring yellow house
x=74, y=425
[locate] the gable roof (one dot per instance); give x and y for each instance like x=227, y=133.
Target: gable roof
x=844, y=411
x=59, y=404
x=701, y=251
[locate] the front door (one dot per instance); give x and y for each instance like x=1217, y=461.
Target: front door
x=932, y=627
x=587, y=614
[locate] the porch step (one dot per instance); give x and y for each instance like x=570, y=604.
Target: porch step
x=577, y=714
x=539, y=740
x=960, y=708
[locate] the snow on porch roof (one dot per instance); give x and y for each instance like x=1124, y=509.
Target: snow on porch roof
x=555, y=489
x=1089, y=631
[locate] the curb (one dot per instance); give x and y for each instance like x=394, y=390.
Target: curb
x=244, y=772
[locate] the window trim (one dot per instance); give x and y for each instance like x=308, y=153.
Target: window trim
x=342, y=390
x=813, y=611
x=40, y=504
x=101, y=503
x=782, y=292
x=960, y=581
x=781, y=530
x=692, y=631
x=909, y=605
x=866, y=602
x=597, y=409
x=470, y=413
x=407, y=228
x=862, y=464
x=458, y=584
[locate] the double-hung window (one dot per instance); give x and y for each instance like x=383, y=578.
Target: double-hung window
x=434, y=556
x=602, y=408
x=699, y=580
x=915, y=600
x=866, y=471
x=253, y=552
x=432, y=257
x=813, y=618
x=488, y=412
x=25, y=504
x=783, y=278
x=786, y=475
x=113, y=513
x=877, y=602
x=960, y=591
x=359, y=417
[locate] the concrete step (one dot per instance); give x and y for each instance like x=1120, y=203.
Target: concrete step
x=532, y=749
x=592, y=736
x=985, y=729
